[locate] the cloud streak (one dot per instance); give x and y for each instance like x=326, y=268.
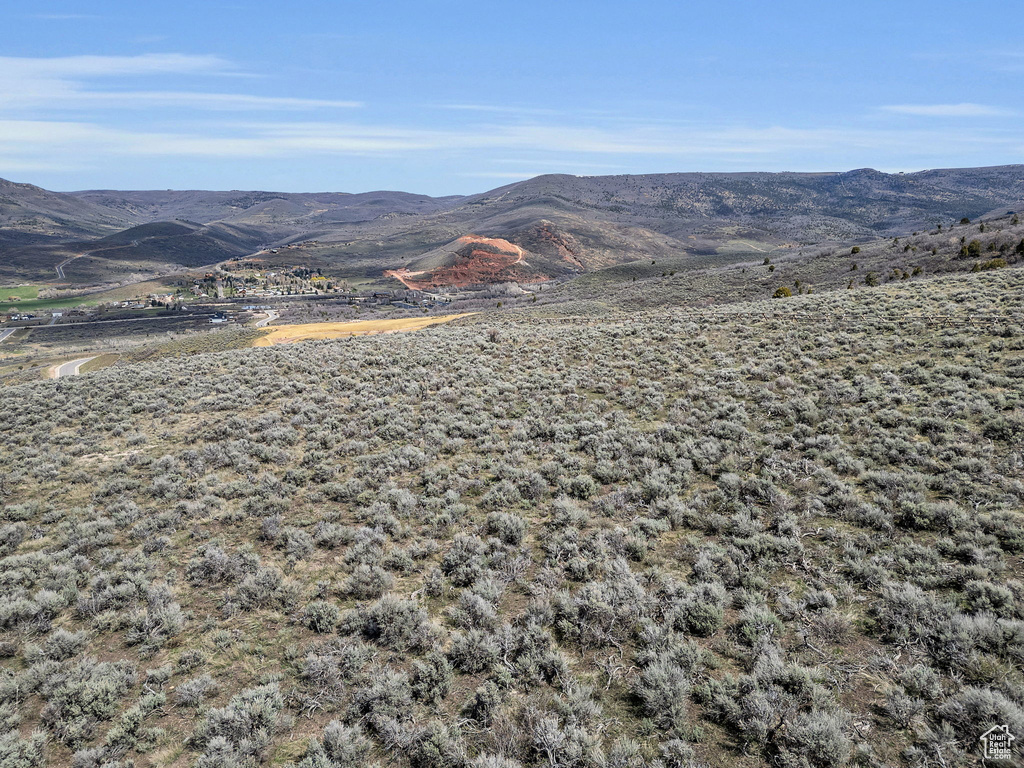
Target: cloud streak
x=946, y=110
x=62, y=16
x=22, y=140
x=503, y=109
x=194, y=100
x=65, y=83
x=96, y=113
x=82, y=67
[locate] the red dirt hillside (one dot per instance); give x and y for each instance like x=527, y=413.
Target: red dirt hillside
x=470, y=260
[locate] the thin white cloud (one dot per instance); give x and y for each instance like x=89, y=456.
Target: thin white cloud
x=946, y=110
x=503, y=175
x=1006, y=61
x=209, y=101
x=81, y=67
x=74, y=113
x=553, y=165
x=62, y=16
x=65, y=83
x=501, y=109
x=22, y=138
x=10, y=167
x=27, y=83
x=551, y=146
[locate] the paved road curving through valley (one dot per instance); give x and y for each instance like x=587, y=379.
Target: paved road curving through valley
x=271, y=317
x=71, y=368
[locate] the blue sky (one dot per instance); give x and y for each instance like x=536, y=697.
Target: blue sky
x=453, y=97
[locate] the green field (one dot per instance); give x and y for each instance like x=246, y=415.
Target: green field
x=37, y=305
x=29, y=303
x=19, y=293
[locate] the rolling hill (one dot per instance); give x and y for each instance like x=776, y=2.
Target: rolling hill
x=153, y=248
x=803, y=206
x=272, y=210
x=30, y=214
x=563, y=224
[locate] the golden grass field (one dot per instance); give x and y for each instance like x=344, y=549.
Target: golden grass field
x=286, y=334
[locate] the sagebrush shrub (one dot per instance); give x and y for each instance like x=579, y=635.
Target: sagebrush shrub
x=243, y=728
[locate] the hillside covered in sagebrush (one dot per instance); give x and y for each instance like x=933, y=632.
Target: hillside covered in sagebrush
x=788, y=534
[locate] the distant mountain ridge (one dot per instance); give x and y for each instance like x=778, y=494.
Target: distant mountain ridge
x=869, y=202
x=563, y=223
x=315, y=209
x=29, y=213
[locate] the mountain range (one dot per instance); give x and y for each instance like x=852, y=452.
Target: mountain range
x=542, y=228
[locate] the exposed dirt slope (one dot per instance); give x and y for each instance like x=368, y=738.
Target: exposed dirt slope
x=470, y=260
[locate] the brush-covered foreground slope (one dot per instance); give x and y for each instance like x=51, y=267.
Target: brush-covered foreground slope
x=662, y=539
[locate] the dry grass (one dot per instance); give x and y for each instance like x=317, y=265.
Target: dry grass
x=101, y=361
x=286, y=334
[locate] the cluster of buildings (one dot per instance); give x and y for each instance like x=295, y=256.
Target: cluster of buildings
x=410, y=299
x=267, y=292
x=292, y=246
